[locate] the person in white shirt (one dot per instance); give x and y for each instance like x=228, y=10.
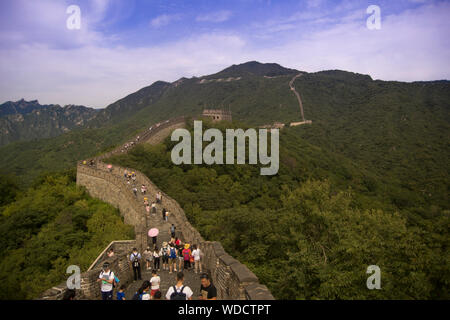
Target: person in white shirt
x=179, y=291
x=197, y=256
x=107, y=279
x=155, y=281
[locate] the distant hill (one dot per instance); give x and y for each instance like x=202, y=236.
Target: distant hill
x=254, y=68
x=20, y=107
x=27, y=120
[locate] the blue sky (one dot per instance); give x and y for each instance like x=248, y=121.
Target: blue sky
x=124, y=45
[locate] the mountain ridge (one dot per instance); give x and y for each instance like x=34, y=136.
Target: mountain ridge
x=381, y=124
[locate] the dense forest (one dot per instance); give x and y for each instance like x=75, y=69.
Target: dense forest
x=312, y=230
x=47, y=227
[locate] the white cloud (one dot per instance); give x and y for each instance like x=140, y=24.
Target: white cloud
x=96, y=76
x=215, y=17
x=164, y=20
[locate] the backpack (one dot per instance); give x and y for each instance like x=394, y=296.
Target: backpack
x=173, y=253
x=109, y=274
x=172, y=229
x=137, y=296
x=178, y=295
x=136, y=263
x=116, y=281
x=165, y=252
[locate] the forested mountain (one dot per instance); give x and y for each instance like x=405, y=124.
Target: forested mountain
x=28, y=120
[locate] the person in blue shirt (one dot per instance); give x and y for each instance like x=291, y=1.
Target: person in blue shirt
x=121, y=293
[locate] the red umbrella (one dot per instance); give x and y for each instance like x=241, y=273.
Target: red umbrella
x=153, y=232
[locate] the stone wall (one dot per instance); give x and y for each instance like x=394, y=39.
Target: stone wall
x=232, y=279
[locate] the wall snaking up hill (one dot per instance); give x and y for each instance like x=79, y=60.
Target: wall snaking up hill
x=232, y=279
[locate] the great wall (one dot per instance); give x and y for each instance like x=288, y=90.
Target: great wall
x=233, y=280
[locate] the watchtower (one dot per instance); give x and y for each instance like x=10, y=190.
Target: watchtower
x=217, y=114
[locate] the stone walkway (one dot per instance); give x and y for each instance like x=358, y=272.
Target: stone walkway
x=191, y=279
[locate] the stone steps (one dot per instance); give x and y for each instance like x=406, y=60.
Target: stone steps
x=155, y=220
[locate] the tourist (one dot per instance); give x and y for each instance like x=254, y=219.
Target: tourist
x=69, y=294
x=107, y=278
x=186, y=256
x=155, y=281
x=153, y=207
x=142, y=293
x=111, y=253
x=135, y=259
x=143, y=189
x=125, y=174
x=135, y=190
x=164, y=214
x=165, y=256
x=172, y=258
x=180, y=254
x=172, y=230
x=147, y=208
x=156, y=258
x=179, y=291
x=159, y=197
x=196, y=253
x=154, y=239
x=121, y=293
x=148, y=256
x=207, y=290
